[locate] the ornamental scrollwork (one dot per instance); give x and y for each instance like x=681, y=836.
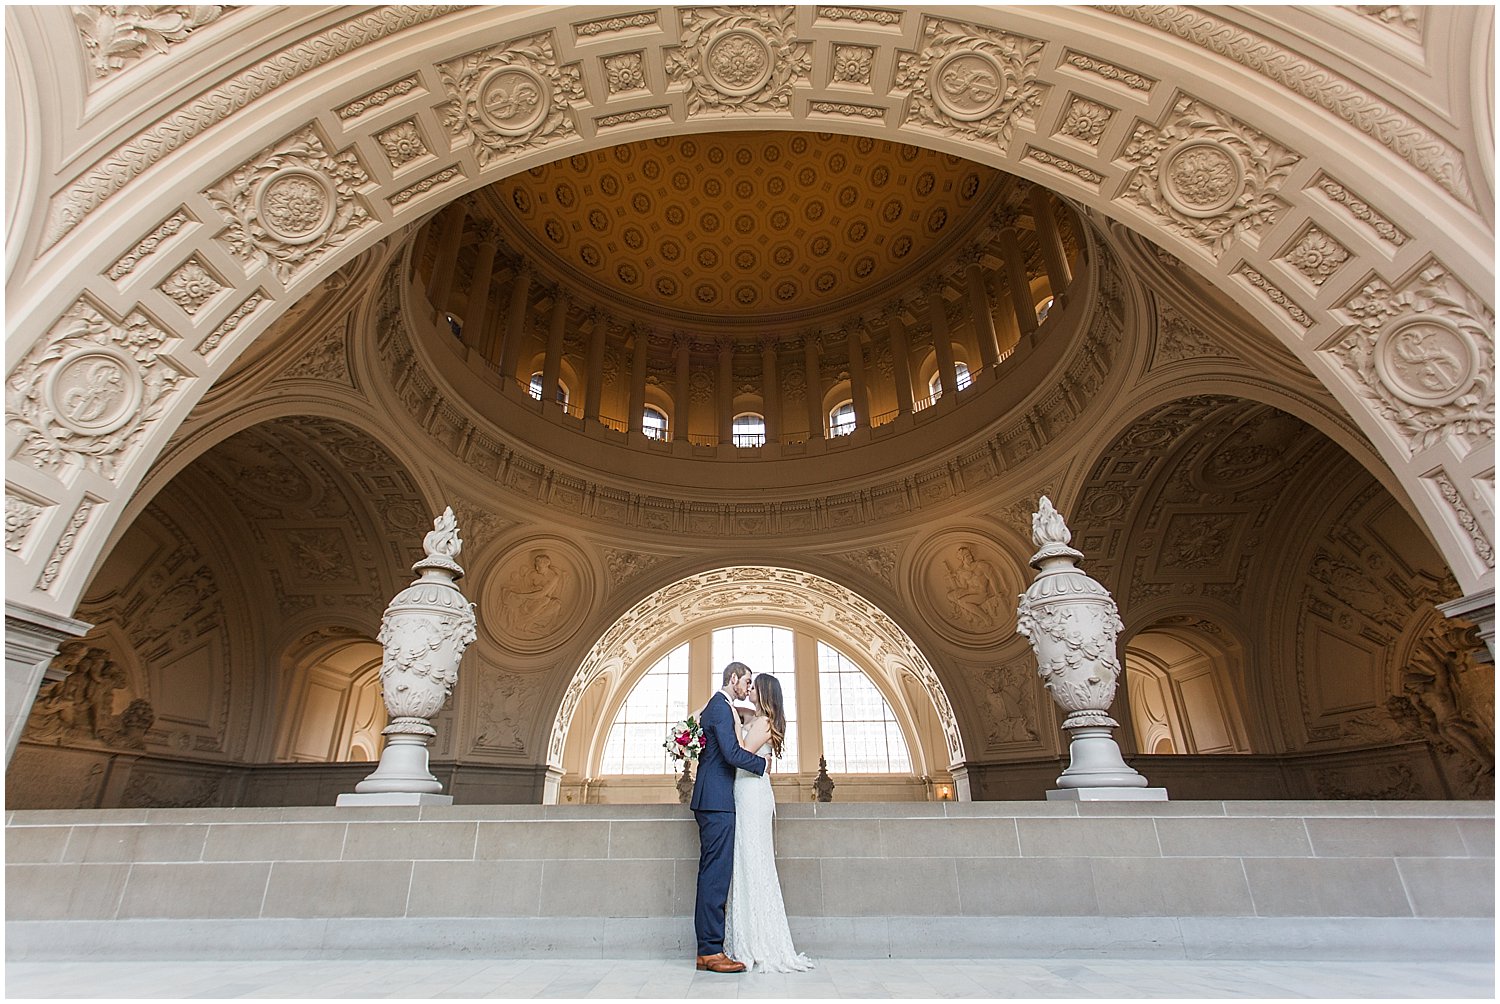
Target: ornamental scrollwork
x=87, y=390
x=738, y=58
x=1423, y=356
x=112, y=34
x=1207, y=175
x=292, y=204
x=510, y=97
x=973, y=81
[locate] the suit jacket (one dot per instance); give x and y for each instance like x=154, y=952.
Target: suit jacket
x=714, y=789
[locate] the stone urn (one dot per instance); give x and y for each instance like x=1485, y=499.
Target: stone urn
x=424, y=632
x=1072, y=623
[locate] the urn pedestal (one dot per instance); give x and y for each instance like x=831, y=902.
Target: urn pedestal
x=1072, y=623
x=424, y=632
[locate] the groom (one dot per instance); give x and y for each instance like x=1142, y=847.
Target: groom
x=713, y=805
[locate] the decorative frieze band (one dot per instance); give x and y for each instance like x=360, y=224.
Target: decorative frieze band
x=1450, y=493
x=1052, y=160
x=64, y=544
x=1360, y=210
x=122, y=165
x=860, y=15
x=635, y=115
x=226, y=326
x=377, y=99
x=846, y=109
x=1274, y=294
x=149, y=245
x=1109, y=71
x=425, y=185
x=610, y=25
x=1408, y=139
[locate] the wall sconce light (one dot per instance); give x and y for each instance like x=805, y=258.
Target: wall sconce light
x=945, y=792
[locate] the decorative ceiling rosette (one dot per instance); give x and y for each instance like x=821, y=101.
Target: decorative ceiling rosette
x=1423, y=355
x=738, y=58
x=1210, y=177
x=970, y=81
x=292, y=204
x=87, y=390
x=510, y=97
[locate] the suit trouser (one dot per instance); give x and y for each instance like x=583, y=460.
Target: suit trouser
x=715, y=869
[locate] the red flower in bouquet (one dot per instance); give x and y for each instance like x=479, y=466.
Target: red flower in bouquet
x=684, y=740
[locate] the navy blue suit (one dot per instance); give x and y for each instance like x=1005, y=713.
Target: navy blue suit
x=713, y=806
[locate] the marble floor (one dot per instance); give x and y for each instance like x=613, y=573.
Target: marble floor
x=677, y=979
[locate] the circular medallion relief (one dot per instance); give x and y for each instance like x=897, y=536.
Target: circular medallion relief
x=537, y=595
x=966, y=586
x=968, y=85
x=94, y=391
x=738, y=62
x=513, y=100
x=1426, y=361
x=1201, y=178
x=296, y=205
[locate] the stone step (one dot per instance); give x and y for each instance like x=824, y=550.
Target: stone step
x=1347, y=879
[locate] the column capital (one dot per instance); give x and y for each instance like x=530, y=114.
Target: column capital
x=970, y=257
x=1007, y=219
x=725, y=345
x=932, y=287
x=682, y=342
x=769, y=343
x=487, y=232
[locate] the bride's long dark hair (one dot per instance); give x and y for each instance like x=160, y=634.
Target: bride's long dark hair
x=768, y=701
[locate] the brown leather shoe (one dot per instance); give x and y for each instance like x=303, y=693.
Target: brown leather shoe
x=720, y=963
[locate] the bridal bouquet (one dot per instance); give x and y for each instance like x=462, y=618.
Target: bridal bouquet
x=685, y=739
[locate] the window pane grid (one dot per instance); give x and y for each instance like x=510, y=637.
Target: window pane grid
x=657, y=702
x=860, y=733
x=764, y=649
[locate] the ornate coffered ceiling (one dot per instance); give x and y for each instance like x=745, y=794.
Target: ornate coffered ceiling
x=753, y=224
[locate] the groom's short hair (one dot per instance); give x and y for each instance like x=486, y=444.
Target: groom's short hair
x=735, y=669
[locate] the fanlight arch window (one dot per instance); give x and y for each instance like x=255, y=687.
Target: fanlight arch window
x=658, y=701
x=1044, y=308
x=823, y=690
x=749, y=429
x=654, y=422
x=536, y=389
x=935, y=385
x=841, y=419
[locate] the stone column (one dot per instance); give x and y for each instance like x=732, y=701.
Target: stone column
x=726, y=390
x=1073, y=626
x=858, y=390
x=515, y=324
x=682, y=392
x=445, y=264
x=476, y=311
x=552, y=362
x=1015, y=272
x=813, y=366
x=770, y=388
x=942, y=341
x=595, y=389
x=900, y=358
x=984, y=317
x=1059, y=275
x=32, y=639
x=642, y=345
x=1007, y=331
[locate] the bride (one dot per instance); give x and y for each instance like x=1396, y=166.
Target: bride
x=755, y=928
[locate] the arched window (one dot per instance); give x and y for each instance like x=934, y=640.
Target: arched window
x=1044, y=308
x=654, y=422
x=749, y=429
x=935, y=385
x=860, y=733
x=536, y=389
x=658, y=701
x=766, y=650
x=841, y=419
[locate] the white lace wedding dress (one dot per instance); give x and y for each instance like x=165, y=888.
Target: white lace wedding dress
x=755, y=928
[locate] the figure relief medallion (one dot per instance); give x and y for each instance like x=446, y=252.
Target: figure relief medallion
x=536, y=596
x=965, y=586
